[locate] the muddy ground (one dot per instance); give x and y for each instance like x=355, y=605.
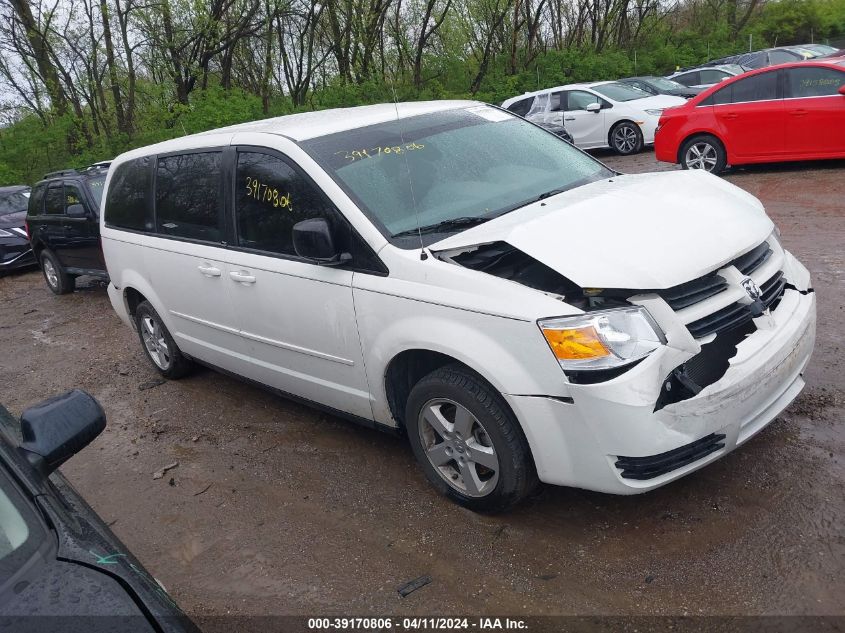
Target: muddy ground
x=278, y=509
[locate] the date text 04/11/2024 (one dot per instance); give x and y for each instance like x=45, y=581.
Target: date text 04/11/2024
x=417, y=623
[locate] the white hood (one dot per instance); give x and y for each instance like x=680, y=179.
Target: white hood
x=645, y=231
x=656, y=102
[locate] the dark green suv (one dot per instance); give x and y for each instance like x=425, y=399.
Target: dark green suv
x=64, y=228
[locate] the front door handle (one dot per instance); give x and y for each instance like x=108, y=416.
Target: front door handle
x=242, y=277
x=800, y=112
x=730, y=115
x=209, y=271
x=569, y=118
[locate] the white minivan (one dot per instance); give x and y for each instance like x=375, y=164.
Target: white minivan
x=450, y=271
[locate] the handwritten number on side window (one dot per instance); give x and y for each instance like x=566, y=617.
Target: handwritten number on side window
x=262, y=192
x=394, y=150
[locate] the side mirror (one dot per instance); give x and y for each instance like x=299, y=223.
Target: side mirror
x=593, y=107
x=842, y=90
x=56, y=429
x=75, y=211
x=312, y=239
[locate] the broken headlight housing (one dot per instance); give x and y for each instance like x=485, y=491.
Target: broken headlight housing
x=601, y=340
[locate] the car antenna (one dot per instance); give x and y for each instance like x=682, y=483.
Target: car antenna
x=423, y=254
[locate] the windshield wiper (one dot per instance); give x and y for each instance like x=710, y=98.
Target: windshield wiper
x=445, y=225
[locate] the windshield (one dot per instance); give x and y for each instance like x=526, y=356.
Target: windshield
x=95, y=185
x=475, y=162
x=14, y=202
x=621, y=92
x=665, y=84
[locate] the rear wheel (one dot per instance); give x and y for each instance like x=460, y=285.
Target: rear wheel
x=158, y=345
x=467, y=440
x=54, y=274
x=626, y=138
x=703, y=152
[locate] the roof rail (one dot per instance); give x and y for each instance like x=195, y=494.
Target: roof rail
x=61, y=172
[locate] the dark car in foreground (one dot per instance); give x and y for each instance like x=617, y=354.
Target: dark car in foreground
x=661, y=86
x=61, y=567
x=15, y=251
x=64, y=227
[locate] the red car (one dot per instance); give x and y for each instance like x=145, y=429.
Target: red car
x=792, y=111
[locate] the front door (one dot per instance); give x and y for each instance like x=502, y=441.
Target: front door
x=587, y=128
x=51, y=224
x=297, y=319
x=82, y=234
x=750, y=115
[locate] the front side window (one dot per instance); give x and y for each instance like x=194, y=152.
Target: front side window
x=270, y=197
x=762, y=87
x=688, y=79
x=579, y=100
x=54, y=201
x=813, y=81
x=20, y=532
x=444, y=169
x=95, y=186
x=712, y=76
x=189, y=196
x=126, y=204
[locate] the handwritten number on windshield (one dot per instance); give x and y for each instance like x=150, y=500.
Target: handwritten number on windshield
x=392, y=150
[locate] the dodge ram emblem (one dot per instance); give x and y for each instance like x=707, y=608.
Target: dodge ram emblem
x=751, y=289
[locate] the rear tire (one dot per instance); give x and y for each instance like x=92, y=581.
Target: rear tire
x=468, y=442
x=703, y=152
x=158, y=345
x=54, y=274
x=626, y=138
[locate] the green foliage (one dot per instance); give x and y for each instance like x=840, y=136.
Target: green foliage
x=28, y=149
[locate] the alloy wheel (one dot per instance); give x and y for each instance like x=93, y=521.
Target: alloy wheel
x=153, y=336
x=50, y=273
x=701, y=155
x=624, y=139
x=459, y=447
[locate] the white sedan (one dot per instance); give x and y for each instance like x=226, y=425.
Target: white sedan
x=599, y=114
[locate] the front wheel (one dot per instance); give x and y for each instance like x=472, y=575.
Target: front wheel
x=703, y=152
x=626, y=138
x=467, y=440
x=158, y=345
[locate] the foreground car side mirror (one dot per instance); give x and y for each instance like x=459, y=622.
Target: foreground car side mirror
x=594, y=108
x=75, y=211
x=56, y=429
x=313, y=240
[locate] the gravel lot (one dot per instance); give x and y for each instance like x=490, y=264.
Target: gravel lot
x=277, y=509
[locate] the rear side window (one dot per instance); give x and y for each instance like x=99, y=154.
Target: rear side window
x=522, y=106
x=54, y=201
x=270, y=198
x=126, y=203
x=189, y=196
x=688, y=79
x=36, y=200
x=813, y=81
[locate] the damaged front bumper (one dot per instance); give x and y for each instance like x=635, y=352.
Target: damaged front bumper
x=613, y=437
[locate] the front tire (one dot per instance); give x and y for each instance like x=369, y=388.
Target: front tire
x=58, y=281
x=626, y=138
x=158, y=345
x=467, y=440
x=703, y=152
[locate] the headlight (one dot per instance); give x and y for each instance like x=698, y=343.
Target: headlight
x=657, y=112
x=6, y=234
x=604, y=339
